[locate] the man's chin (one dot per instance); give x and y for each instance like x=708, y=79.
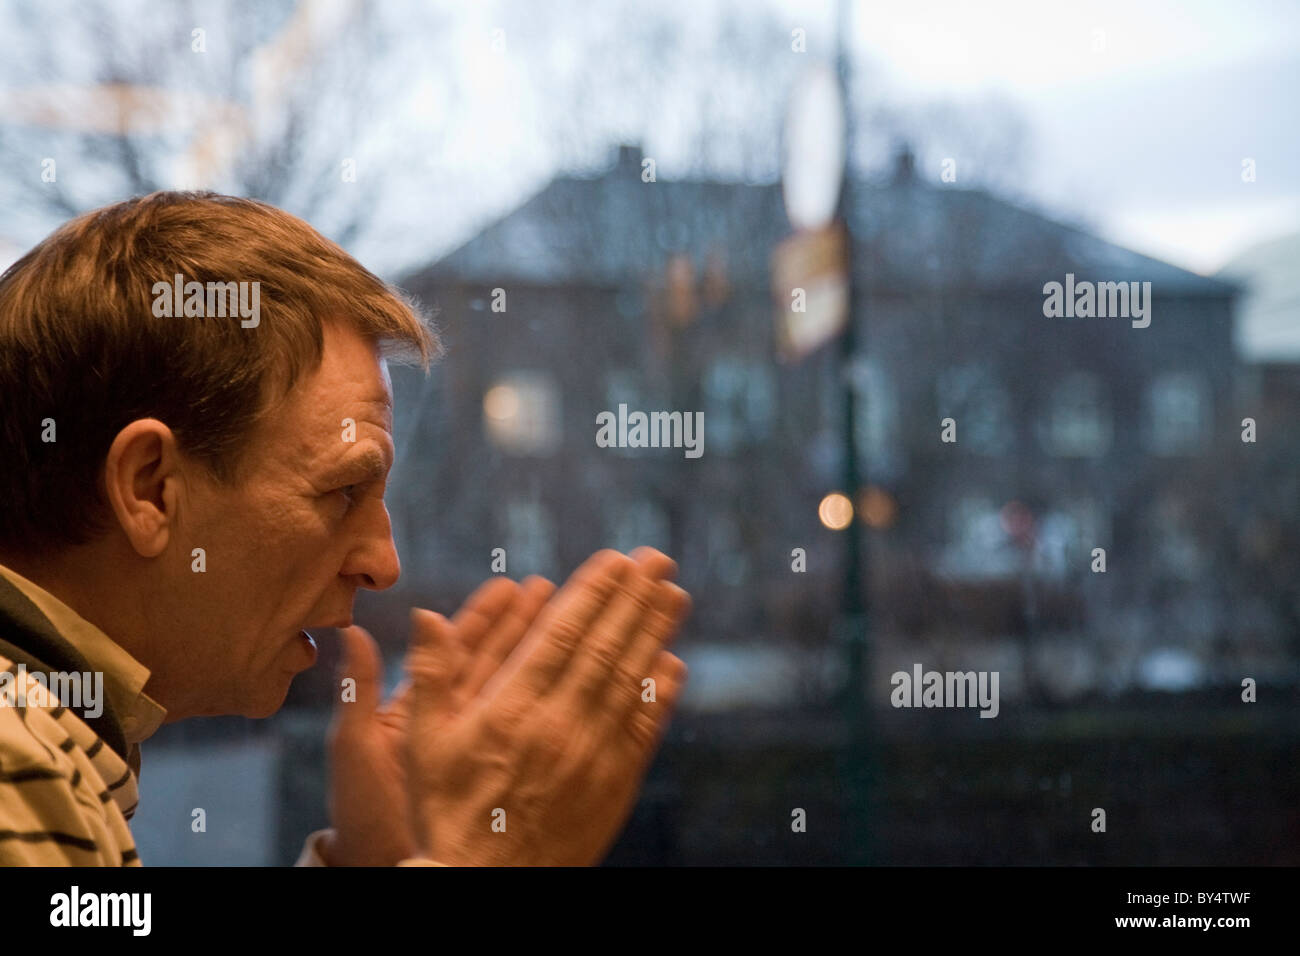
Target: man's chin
x=267, y=706
x=261, y=713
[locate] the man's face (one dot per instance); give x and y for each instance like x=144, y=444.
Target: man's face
x=289, y=547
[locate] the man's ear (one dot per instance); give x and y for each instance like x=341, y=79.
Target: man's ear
x=143, y=480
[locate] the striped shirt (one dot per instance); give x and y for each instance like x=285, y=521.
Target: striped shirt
x=65, y=796
x=68, y=779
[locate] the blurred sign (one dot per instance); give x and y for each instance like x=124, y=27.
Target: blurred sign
x=680, y=297
x=810, y=284
x=812, y=160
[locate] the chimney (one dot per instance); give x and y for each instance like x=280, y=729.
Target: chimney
x=629, y=159
x=904, y=165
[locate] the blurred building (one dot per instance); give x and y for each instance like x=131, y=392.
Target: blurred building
x=1268, y=325
x=1072, y=434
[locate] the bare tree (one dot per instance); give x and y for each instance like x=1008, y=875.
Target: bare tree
x=283, y=102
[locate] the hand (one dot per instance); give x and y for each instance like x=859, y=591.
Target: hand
x=369, y=806
x=542, y=765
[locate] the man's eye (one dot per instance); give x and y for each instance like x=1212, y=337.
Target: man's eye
x=349, y=492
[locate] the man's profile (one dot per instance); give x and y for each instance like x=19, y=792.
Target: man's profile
x=189, y=491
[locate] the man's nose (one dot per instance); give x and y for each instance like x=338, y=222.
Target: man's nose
x=375, y=560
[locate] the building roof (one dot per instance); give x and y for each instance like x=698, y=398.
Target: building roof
x=1269, y=324
x=912, y=235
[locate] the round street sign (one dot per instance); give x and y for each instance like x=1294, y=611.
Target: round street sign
x=812, y=161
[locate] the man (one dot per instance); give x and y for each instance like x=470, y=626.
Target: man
x=196, y=427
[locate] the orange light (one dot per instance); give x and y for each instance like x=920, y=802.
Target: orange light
x=877, y=507
x=835, y=511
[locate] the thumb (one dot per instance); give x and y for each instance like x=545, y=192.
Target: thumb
x=362, y=664
x=432, y=664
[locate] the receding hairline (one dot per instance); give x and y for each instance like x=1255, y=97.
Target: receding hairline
x=81, y=344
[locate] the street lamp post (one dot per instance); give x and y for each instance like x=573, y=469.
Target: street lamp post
x=854, y=620
x=815, y=266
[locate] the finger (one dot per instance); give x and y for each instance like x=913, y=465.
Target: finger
x=599, y=658
x=361, y=663
x=432, y=663
x=547, y=648
x=399, y=701
x=508, y=630
x=654, y=563
x=669, y=608
x=482, y=609
x=649, y=716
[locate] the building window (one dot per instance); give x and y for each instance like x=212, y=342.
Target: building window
x=521, y=413
x=727, y=558
x=1176, y=548
x=1078, y=418
x=1065, y=536
x=1177, y=414
x=636, y=523
x=530, y=538
x=972, y=395
x=978, y=545
x=623, y=387
x=875, y=417
x=738, y=403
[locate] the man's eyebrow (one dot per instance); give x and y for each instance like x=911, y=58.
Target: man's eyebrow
x=369, y=465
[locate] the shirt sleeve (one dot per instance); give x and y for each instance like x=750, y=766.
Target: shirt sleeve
x=311, y=853
x=49, y=814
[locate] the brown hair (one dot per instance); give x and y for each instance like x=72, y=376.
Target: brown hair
x=80, y=344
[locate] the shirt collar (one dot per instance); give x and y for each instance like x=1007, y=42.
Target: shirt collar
x=124, y=676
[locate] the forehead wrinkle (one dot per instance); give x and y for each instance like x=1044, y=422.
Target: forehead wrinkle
x=368, y=465
x=331, y=421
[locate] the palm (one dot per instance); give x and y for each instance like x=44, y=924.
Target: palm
x=369, y=790
x=543, y=765
x=369, y=802
x=580, y=784
x=547, y=735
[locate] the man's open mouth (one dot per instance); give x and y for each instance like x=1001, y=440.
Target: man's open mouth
x=309, y=646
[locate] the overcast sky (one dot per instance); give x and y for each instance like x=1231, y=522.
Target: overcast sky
x=1146, y=136
x=1142, y=138
x=1138, y=113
